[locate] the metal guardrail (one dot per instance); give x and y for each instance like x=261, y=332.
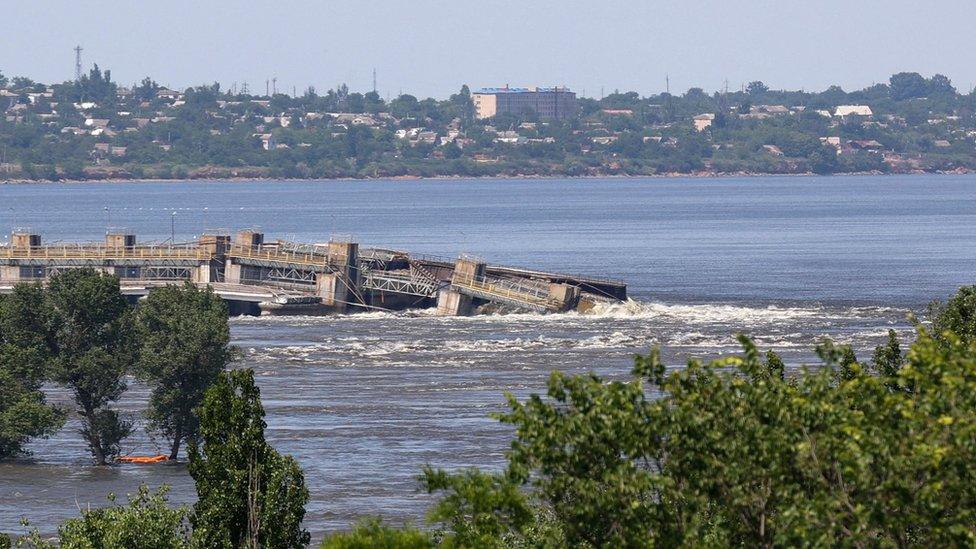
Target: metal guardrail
x=505, y=292
x=581, y=278
x=279, y=255
x=104, y=252
x=518, y=271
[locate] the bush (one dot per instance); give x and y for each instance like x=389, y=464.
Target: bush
x=736, y=452
x=145, y=523
x=371, y=533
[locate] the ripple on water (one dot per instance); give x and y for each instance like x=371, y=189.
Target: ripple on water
x=364, y=401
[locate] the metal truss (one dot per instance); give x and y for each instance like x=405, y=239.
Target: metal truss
x=166, y=273
x=282, y=264
x=99, y=263
x=391, y=283
x=289, y=276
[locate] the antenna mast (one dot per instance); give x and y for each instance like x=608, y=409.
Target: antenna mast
x=77, y=63
x=374, y=79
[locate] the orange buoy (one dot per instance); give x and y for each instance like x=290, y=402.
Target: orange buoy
x=143, y=459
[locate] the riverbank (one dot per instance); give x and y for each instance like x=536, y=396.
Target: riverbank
x=515, y=177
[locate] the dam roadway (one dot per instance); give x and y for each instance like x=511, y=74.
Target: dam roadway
x=282, y=277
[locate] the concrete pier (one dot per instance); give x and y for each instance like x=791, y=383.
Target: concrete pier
x=454, y=303
x=282, y=277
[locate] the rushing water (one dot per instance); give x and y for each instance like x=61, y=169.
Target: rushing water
x=363, y=401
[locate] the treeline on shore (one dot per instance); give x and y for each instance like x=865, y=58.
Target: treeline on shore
x=94, y=129
x=737, y=451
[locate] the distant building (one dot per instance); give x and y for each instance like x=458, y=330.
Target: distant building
x=547, y=103
x=769, y=109
x=704, y=121
x=843, y=111
x=168, y=94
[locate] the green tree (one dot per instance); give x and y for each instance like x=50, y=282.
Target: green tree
x=757, y=88
x=907, y=85
x=184, y=339
x=24, y=353
x=249, y=495
x=888, y=359
x=145, y=523
x=74, y=169
x=735, y=453
x=146, y=90
x=372, y=533
x=958, y=315
x=92, y=348
x=479, y=509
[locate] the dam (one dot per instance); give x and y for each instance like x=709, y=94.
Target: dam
x=259, y=276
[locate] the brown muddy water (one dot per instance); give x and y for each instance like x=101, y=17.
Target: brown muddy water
x=364, y=401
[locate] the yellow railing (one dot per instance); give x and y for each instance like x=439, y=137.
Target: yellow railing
x=281, y=256
x=502, y=291
x=104, y=252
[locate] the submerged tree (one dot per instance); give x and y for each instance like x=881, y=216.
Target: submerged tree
x=184, y=340
x=24, y=353
x=249, y=495
x=92, y=348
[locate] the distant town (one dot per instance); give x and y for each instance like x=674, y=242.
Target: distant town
x=93, y=128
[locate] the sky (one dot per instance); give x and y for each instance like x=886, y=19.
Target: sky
x=432, y=47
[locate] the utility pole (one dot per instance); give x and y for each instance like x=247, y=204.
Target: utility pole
x=77, y=63
x=667, y=90
x=724, y=103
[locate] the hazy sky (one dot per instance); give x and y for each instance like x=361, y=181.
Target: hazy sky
x=432, y=47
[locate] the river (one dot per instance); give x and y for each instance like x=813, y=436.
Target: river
x=363, y=401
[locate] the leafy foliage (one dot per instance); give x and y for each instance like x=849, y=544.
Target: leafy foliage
x=737, y=452
x=249, y=495
x=145, y=523
x=92, y=347
x=372, y=533
x=24, y=352
x=214, y=132
x=958, y=315
x=184, y=339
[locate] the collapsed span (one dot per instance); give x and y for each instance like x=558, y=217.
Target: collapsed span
x=283, y=277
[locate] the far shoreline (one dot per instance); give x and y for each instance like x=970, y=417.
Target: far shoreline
x=699, y=175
